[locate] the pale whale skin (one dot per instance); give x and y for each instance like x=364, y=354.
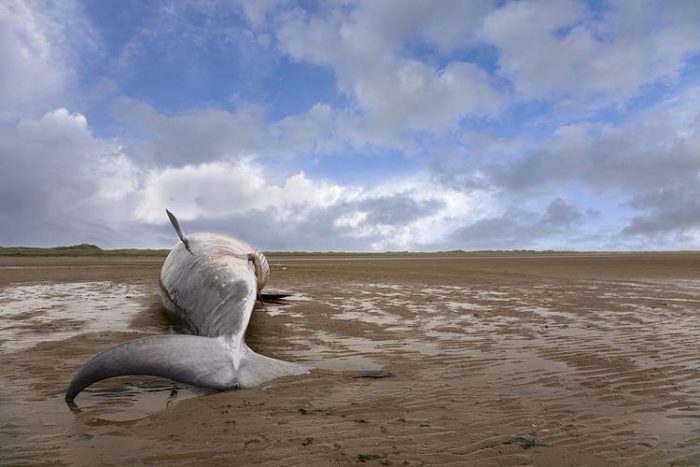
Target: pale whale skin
x=210, y=282
x=212, y=287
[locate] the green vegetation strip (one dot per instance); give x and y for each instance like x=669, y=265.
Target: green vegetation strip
x=86, y=249
x=78, y=250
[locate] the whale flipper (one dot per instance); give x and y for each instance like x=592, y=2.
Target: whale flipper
x=206, y=362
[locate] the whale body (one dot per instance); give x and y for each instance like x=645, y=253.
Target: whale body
x=210, y=282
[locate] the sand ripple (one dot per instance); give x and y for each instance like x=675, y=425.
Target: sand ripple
x=493, y=364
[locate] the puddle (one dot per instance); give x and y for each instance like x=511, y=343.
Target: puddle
x=465, y=306
x=32, y=314
x=374, y=318
x=279, y=307
x=132, y=398
x=42, y=312
x=330, y=351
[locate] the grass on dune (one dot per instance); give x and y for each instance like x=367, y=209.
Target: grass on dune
x=84, y=249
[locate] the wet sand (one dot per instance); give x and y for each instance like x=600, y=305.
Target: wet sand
x=526, y=359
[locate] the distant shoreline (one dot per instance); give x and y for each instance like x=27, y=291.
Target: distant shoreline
x=94, y=250
x=79, y=250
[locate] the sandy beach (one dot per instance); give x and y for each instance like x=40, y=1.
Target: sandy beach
x=501, y=359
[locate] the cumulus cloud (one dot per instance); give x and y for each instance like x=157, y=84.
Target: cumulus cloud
x=410, y=81
x=555, y=49
x=54, y=175
x=657, y=147
x=406, y=214
x=220, y=189
x=83, y=187
x=393, y=91
x=649, y=164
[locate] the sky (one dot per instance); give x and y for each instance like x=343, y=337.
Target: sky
x=379, y=125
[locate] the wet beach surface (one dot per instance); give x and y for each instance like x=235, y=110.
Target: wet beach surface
x=506, y=359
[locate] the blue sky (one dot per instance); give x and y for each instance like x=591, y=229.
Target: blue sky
x=355, y=125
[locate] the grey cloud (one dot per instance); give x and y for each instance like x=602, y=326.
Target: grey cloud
x=631, y=165
x=395, y=209
x=196, y=136
x=266, y=230
x=316, y=229
x=561, y=213
x=213, y=134
x=40, y=170
x=517, y=228
x=667, y=211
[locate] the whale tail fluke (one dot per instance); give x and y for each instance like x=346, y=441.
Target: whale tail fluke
x=256, y=369
x=206, y=362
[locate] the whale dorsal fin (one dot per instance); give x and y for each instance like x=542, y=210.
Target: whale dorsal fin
x=178, y=229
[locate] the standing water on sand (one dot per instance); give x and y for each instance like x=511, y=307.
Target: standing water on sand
x=51, y=311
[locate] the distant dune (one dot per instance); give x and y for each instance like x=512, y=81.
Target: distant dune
x=84, y=249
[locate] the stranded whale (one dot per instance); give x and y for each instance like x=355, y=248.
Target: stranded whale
x=211, y=283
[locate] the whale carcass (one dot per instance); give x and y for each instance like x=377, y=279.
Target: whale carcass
x=211, y=283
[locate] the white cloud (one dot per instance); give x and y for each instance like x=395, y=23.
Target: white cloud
x=59, y=123
x=317, y=130
x=56, y=177
x=352, y=219
x=557, y=49
x=77, y=177
x=405, y=214
x=400, y=64
x=412, y=96
x=220, y=189
x=449, y=208
x=394, y=93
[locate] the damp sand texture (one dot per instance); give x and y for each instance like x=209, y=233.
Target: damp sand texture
x=501, y=359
